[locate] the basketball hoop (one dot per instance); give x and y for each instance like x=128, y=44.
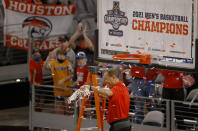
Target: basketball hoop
x=143, y=58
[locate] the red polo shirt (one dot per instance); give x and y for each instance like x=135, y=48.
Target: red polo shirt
x=152, y=73
x=119, y=103
x=172, y=79
x=138, y=72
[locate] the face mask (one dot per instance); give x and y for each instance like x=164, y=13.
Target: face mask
x=81, y=65
x=60, y=60
x=36, y=58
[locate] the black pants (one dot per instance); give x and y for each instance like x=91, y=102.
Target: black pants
x=121, y=125
x=173, y=94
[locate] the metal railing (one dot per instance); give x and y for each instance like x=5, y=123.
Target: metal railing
x=141, y=106
x=44, y=115
x=184, y=116
x=146, y=114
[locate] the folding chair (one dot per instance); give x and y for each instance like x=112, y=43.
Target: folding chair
x=152, y=121
x=192, y=97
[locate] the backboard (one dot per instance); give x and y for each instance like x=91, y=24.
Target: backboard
x=165, y=29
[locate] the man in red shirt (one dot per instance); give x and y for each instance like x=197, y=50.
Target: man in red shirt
x=173, y=85
x=143, y=86
x=119, y=101
x=173, y=90
x=36, y=74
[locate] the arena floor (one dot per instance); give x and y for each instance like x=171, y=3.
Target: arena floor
x=14, y=119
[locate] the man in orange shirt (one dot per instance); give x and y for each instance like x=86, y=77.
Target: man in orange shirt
x=119, y=101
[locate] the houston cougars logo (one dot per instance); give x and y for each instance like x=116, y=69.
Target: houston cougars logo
x=39, y=26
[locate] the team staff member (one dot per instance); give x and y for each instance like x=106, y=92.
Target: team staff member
x=119, y=101
x=173, y=90
x=142, y=86
x=173, y=85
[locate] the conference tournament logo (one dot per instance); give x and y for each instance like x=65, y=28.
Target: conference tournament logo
x=116, y=18
x=39, y=26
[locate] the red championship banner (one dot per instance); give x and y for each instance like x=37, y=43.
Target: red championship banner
x=40, y=20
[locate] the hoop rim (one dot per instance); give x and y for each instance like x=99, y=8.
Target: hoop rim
x=143, y=58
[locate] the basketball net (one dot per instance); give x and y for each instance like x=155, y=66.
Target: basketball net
x=78, y=94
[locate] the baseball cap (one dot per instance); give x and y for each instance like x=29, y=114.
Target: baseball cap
x=35, y=50
x=63, y=38
x=81, y=55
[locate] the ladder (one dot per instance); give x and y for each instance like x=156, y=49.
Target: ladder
x=92, y=80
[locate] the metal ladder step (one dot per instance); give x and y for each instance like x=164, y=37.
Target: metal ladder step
x=89, y=129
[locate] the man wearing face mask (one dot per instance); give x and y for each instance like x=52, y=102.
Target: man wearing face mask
x=62, y=73
x=36, y=74
x=119, y=101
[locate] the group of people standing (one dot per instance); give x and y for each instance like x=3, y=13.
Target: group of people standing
x=67, y=61
x=72, y=57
